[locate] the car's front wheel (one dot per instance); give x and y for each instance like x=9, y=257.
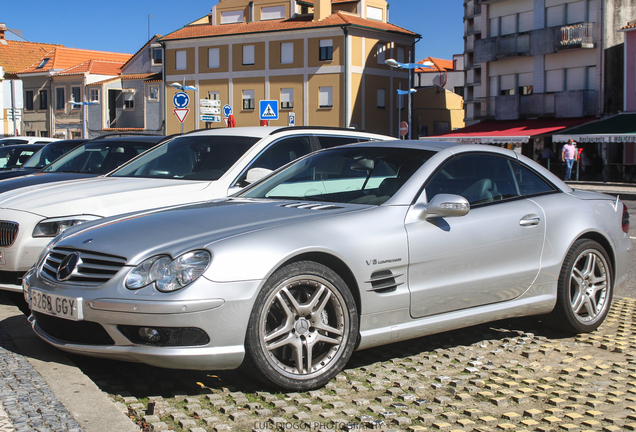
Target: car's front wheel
x=584, y=292
x=302, y=329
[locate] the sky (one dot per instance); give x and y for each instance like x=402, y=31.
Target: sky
x=123, y=25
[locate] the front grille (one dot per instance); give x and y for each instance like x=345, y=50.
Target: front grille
x=11, y=277
x=80, y=332
x=8, y=233
x=93, y=269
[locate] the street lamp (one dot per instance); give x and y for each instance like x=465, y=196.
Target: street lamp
x=409, y=66
x=401, y=92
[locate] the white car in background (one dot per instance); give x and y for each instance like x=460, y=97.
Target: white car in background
x=26, y=140
x=189, y=168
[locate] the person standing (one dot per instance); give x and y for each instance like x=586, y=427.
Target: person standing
x=568, y=156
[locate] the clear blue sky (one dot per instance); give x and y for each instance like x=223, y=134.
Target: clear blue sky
x=122, y=26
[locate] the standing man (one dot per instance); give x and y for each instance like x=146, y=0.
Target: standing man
x=568, y=156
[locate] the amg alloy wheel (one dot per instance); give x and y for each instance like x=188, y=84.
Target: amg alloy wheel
x=303, y=327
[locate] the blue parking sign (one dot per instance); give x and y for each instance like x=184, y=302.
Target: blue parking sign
x=268, y=110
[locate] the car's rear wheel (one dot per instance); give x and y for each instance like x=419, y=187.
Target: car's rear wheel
x=302, y=329
x=585, y=289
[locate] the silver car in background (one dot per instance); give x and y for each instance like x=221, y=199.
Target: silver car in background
x=347, y=248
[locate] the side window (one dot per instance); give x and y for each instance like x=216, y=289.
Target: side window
x=333, y=141
x=479, y=178
x=529, y=182
x=278, y=154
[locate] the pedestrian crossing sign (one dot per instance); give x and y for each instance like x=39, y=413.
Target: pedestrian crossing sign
x=268, y=110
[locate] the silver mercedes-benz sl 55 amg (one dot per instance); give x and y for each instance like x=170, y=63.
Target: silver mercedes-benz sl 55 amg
x=345, y=249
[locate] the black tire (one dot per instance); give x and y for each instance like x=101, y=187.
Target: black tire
x=585, y=289
x=303, y=328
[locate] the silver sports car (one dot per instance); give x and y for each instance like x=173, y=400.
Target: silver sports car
x=345, y=249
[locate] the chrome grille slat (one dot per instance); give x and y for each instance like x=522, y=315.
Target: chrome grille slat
x=94, y=269
x=8, y=232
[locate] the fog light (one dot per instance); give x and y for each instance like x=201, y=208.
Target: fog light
x=148, y=334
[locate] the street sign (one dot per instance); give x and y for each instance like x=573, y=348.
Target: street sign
x=292, y=119
x=211, y=118
x=210, y=103
x=268, y=110
x=181, y=100
x=404, y=128
x=227, y=110
x=181, y=113
x=209, y=110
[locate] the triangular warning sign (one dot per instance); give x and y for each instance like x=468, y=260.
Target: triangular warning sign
x=269, y=112
x=181, y=113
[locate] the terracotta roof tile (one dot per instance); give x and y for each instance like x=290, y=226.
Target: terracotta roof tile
x=299, y=22
x=630, y=25
x=146, y=77
x=61, y=58
x=18, y=55
x=98, y=67
x=439, y=65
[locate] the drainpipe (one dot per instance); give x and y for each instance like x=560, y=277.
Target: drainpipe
x=346, y=76
x=387, y=12
x=13, y=108
x=250, y=18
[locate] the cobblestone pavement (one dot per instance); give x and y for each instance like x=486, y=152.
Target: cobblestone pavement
x=28, y=404
x=512, y=375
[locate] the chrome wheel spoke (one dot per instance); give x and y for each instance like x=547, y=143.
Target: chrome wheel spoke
x=296, y=307
x=588, y=284
x=289, y=340
x=578, y=301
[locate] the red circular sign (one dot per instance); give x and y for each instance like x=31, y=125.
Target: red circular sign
x=404, y=128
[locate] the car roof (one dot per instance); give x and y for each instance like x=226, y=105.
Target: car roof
x=132, y=138
x=264, y=131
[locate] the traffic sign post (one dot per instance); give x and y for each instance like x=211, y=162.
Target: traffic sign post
x=268, y=110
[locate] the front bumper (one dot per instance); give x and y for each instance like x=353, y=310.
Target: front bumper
x=223, y=318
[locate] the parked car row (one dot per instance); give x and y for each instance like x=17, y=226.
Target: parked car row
x=282, y=250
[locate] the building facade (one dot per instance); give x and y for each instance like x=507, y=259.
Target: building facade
x=543, y=58
x=322, y=61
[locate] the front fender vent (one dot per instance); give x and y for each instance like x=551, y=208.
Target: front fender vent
x=311, y=206
x=383, y=281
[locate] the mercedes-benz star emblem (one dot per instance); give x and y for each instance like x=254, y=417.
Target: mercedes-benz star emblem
x=68, y=266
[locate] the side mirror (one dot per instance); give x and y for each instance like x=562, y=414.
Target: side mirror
x=445, y=205
x=256, y=174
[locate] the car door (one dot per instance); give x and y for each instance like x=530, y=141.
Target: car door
x=492, y=254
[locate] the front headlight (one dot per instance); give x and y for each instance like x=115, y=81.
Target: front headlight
x=168, y=274
x=56, y=226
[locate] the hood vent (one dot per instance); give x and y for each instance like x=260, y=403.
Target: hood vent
x=312, y=206
x=383, y=281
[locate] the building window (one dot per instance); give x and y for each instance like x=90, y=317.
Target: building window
x=381, y=50
x=153, y=93
x=30, y=133
x=248, y=55
x=94, y=94
x=274, y=12
x=400, y=55
x=214, y=95
x=28, y=100
x=459, y=91
x=230, y=17
x=44, y=99
x=43, y=63
x=287, y=53
x=59, y=98
x=374, y=13
x=286, y=98
x=525, y=90
x=181, y=60
x=157, y=56
x=325, y=97
x=304, y=10
x=326, y=50
x=381, y=98
x=44, y=134
x=76, y=97
x=129, y=100
x=440, y=127
x=214, y=58
x=248, y=99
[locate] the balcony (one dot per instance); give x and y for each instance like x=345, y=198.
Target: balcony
x=536, y=42
x=572, y=103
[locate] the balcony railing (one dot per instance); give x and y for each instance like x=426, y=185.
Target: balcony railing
x=580, y=35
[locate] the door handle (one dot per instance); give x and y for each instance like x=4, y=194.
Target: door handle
x=530, y=221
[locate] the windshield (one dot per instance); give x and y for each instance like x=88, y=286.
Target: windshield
x=361, y=175
x=15, y=156
x=98, y=157
x=48, y=154
x=190, y=157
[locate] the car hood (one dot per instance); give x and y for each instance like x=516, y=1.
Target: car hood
x=18, y=172
x=8, y=184
x=176, y=230
x=102, y=196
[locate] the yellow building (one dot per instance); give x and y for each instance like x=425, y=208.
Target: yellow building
x=436, y=110
x=322, y=60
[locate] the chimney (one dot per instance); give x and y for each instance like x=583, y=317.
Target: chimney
x=322, y=9
x=3, y=28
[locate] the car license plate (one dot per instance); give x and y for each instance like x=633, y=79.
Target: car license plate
x=56, y=305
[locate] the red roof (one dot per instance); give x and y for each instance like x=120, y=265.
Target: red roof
x=98, y=67
x=510, y=130
x=439, y=65
x=61, y=58
x=299, y=22
x=17, y=55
